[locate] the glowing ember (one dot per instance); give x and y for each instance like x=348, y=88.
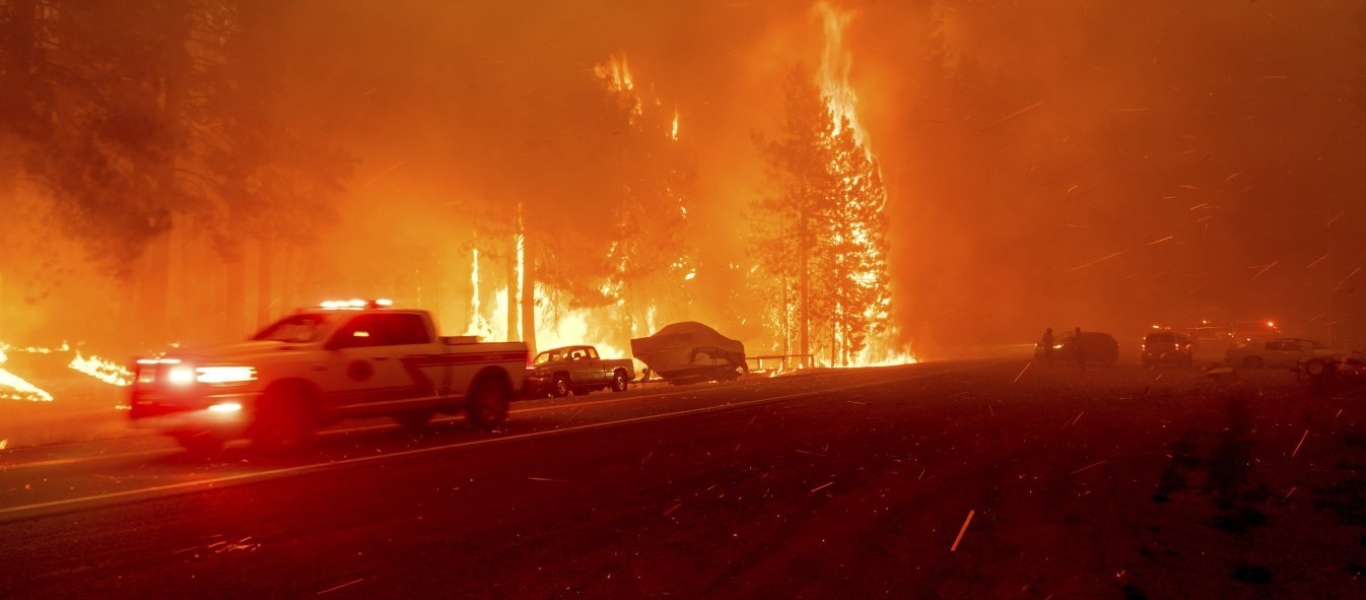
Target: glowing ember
x=103, y=370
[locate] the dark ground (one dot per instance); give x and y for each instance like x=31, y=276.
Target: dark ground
x=1122, y=482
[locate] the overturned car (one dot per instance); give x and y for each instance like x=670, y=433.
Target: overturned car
x=690, y=352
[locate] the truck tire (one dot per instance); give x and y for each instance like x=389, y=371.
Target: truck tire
x=1317, y=367
x=619, y=381
x=560, y=388
x=284, y=421
x=487, y=406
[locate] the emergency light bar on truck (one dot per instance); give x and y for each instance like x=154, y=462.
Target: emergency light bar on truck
x=356, y=304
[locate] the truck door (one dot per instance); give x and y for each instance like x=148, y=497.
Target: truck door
x=580, y=372
x=367, y=373
x=593, y=366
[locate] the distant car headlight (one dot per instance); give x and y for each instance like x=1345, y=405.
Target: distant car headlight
x=225, y=374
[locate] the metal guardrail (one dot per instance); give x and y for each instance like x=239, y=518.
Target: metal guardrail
x=783, y=361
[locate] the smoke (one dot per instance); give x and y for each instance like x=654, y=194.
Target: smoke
x=1049, y=163
x=1114, y=166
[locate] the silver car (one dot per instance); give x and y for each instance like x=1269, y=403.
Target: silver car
x=1284, y=353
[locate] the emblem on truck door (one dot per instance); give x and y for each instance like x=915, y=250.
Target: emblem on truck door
x=359, y=370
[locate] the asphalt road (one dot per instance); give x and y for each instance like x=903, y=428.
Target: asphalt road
x=951, y=479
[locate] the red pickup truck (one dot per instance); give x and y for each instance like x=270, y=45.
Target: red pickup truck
x=577, y=369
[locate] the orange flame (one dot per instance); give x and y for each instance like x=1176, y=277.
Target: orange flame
x=22, y=390
x=103, y=370
x=478, y=325
x=568, y=327
x=834, y=72
x=617, y=77
x=842, y=102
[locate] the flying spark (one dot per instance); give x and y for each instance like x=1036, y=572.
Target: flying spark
x=1266, y=268
x=962, y=531
x=1297, y=446
x=1349, y=276
x=1097, y=261
x=1014, y=114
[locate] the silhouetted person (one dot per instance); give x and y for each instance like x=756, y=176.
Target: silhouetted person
x=1077, y=345
x=1046, y=342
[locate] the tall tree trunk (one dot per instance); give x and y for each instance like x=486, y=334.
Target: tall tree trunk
x=528, y=292
x=153, y=290
x=804, y=287
x=170, y=99
x=234, y=296
x=787, y=320
x=513, y=295
x=265, y=279
x=177, y=280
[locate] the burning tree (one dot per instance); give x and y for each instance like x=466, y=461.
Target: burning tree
x=649, y=255
x=821, y=237
x=603, y=223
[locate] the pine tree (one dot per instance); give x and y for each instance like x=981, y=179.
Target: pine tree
x=820, y=238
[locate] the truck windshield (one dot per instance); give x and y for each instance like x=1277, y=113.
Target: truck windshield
x=549, y=356
x=298, y=329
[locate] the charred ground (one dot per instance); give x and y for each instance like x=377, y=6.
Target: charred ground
x=1118, y=482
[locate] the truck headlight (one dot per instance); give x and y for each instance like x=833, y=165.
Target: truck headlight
x=180, y=375
x=225, y=374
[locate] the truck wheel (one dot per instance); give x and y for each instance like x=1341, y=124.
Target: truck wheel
x=487, y=406
x=282, y=422
x=201, y=443
x=560, y=388
x=413, y=421
x=1316, y=367
x=619, y=381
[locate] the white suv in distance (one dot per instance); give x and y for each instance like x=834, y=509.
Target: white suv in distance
x=1284, y=353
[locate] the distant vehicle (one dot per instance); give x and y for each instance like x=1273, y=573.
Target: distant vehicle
x=1329, y=365
x=1234, y=332
x=690, y=352
x=1212, y=341
x=1326, y=373
x=577, y=369
x=1283, y=353
x=316, y=366
x=1096, y=349
x=1167, y=347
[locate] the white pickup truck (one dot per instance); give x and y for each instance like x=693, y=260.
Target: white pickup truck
x=351, y=359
